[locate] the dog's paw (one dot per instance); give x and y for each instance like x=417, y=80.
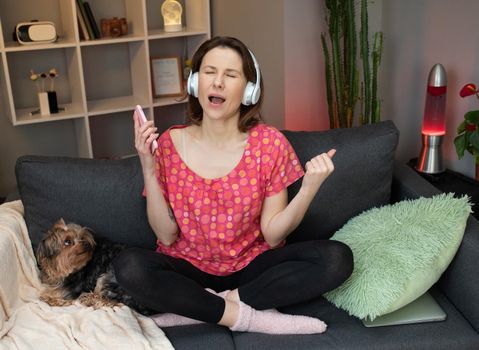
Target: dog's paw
x=96, y=300
x=54, y=298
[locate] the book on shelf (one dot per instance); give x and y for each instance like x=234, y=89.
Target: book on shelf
x=91, y=19
x=82, y=25
x=82, y=13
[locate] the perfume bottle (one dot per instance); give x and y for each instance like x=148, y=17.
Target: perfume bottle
x=434, y=122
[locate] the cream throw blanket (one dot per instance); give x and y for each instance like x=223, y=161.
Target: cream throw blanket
x=28, y=323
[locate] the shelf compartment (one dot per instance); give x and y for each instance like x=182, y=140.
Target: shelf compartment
x=166, y=116
x=132, y=10
x=195, y=18
x=60, y=12
x=118, y=80
x=112, y=135
x=66, y=84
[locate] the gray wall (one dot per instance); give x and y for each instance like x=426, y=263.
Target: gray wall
x=42, y=139
x=419, y=34
x=259, y=24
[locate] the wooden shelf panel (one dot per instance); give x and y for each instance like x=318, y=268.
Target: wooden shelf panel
x=25, y=116
x=13, y=46
x=168, y=101
x=113, y=105
x=161, y=34
x=110, y=40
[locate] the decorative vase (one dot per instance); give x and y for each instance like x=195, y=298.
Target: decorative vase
x=43, y=103
x=52, y=101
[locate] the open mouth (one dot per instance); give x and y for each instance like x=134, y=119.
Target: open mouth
x=215, y=99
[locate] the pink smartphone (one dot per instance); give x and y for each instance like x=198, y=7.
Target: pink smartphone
x=139, y=112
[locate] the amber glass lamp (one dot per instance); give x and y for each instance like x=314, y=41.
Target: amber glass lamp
x=171, y=11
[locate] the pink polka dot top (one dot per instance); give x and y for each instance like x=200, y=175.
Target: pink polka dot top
x=219, y=219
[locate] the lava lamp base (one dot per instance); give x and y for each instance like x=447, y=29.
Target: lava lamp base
x=430, y=159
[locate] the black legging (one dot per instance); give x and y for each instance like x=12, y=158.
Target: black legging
x=278, y=277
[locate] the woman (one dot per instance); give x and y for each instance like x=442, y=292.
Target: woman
x=216, y=194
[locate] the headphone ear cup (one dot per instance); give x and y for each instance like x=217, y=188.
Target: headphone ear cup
x=256, y=94
x=192, y=84
x=248, y=94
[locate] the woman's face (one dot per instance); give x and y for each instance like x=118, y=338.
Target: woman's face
x=221, y=83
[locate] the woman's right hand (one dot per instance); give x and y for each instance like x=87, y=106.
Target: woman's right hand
x=144, y=136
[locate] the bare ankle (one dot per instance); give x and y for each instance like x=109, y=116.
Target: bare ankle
x=233, y=296
x=230, y=315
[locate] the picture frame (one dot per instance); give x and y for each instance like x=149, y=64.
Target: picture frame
x=166, y=76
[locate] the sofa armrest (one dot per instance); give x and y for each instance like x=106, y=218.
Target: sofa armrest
x=459, y=282
x=407, y=184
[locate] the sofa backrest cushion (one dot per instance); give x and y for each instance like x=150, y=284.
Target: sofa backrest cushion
x=104, y=195
x=362, y=178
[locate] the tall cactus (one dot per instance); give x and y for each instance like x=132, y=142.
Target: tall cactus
x=341, y=69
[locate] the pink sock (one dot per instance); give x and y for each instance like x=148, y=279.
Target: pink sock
x=170, y=320
x=274, y=322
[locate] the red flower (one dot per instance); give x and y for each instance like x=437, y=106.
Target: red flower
x=468, y=90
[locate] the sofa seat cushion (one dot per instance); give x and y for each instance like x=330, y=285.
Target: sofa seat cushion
x=362, y=178
x=104, y=195
x=400, y=251
x=347, y=332
x=200, y=336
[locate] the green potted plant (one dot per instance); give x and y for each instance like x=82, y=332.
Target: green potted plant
x=346, y=83
x=467, y=138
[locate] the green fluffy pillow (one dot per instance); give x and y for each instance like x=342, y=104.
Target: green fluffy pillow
x=400, y=251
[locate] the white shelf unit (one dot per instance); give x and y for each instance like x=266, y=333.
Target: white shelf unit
x=100, y=81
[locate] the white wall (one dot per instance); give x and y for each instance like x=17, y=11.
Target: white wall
x=417, y=35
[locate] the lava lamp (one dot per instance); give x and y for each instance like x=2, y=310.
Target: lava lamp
x=434, y=123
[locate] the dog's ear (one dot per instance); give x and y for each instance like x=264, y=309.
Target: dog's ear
x=88, y=236
x=45, y=250
x=60, y=224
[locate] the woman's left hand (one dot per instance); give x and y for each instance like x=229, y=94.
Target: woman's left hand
x=317, y=170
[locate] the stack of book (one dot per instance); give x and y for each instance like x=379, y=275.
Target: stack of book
x=88, y=27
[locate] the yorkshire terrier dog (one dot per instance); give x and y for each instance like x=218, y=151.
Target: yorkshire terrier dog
x=75, y=265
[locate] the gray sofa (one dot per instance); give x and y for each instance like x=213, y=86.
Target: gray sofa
x=106, y=196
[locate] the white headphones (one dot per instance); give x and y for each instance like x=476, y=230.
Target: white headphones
x=251, y=93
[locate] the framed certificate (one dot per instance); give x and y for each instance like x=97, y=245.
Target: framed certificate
x=167, y=76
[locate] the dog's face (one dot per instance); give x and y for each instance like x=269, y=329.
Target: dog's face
x=64, y=249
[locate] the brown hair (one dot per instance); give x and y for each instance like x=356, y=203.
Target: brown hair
x=249, y=115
